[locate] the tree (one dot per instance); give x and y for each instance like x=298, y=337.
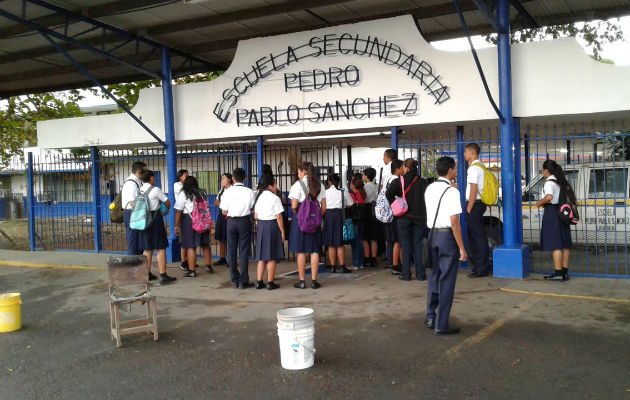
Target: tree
x=595, y=33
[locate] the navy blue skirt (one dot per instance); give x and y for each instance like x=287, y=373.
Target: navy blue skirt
x=269, y=244
x=220, y=227
x=391, y=231
x=373, y=228
x=300, y=242
x=554, y=235
x=153, y=238
x=189, y=237
x=333, y=228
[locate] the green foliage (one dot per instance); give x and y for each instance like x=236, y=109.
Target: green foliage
x=595, y=33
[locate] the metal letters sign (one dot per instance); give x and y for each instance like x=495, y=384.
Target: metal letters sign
x=388, y=105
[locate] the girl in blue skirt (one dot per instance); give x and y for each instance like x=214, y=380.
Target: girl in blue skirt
x=268, y=211
x=336, y=200
x=220, y=228
x=555, y=236
x=300, y=242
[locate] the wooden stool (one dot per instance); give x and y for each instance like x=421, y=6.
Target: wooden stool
x=129, y=274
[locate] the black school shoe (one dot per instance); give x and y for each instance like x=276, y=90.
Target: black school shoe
x=300, y=285
x=190, y=274
x=396, y=270
x=449, y=331
x=373, y=262
x=260, y=285
x=556, y=276
x=345, y=270
x=184, y=266
x=315, y=285
x=165, y=279
x=152, y=277
x=272, y=286
x=221, y=261
x=209, y=269
x=245, y=285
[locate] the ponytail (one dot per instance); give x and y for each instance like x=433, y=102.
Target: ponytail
x=192, y=191
x=412, y=165
x=263, y=185
x=556, y=170
x=334, y=180
x=314, y=185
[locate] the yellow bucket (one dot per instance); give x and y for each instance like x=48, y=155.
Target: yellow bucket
x=10, y=312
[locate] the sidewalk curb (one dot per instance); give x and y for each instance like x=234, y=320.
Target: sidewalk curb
x=7, y=263
x=568, y=296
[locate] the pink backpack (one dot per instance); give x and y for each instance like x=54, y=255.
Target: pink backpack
x=399, y=206
x=201, y=216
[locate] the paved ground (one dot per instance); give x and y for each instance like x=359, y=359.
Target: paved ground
x=218, y=342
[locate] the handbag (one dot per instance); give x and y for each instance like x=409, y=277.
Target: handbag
x=426, y=242
x=400, y=206
x=348, y=226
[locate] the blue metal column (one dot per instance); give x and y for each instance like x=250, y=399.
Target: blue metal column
x=96, y=198
x=518, y=188
x=173, y=252
x=31, y=201
x=528, y=167
x=511, y=259
x=394, y=138
x=461, y=184
x=259, y=156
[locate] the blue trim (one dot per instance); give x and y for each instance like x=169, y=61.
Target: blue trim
x=31, y=201
x=394, y=138
x=259, y=155
x=461, y=185
x=96, y=196
x=173, y=254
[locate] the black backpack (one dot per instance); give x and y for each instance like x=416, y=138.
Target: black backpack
x=567, y=210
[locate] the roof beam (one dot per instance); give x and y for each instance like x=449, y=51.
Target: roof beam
x=523, y=13
x=50, y=20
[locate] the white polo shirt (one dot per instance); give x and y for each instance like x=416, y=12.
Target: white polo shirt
x=184, y=204
x=155, y=196
x=268, y=206
x=129, y=191
x=237, y=200
x=371, y=192
x=333, y=198
x=296, y=191
x=177, y=188
x=450, y=205
x=385, y=175
x=475, y=174
x=552, y=188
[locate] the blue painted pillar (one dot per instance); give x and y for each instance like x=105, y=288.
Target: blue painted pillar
x=511, y=259
x=96, y=198
x=394, y=138
x=461, y=183
x=247, y=165
x=259, y=156
x=31, y=201
x=528, y=161
x=173, y=251
x=518, y=188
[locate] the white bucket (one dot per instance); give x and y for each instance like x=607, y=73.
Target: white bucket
x=296, y=332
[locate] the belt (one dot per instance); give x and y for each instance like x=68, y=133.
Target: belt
x=244, y=216
x=443, y=229
x=478, y=201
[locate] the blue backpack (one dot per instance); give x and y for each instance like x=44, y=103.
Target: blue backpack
x=140, y=218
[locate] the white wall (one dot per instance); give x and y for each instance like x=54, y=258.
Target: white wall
x=549, y=78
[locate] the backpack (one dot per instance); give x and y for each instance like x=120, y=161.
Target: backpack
x=490, y=192
x=347, y=232
x=567, y=212
x=399, y=206
x=140, y=219
x=309, y=214
x=115, y=208
x=382, y=209
x=201, y=216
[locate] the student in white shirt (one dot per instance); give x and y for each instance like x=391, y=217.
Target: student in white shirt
x=128, y=195
x=220, y=227
x=300, y=242
x=191, y=239
x=555, y=236
x=336, y=200
x=475, y=208
x=394, y=249
x=386, y=172
x=154, y=238
x=182, y=174
x=373, y=229
x=237, y=203
x=270, y=235
x=446, y=246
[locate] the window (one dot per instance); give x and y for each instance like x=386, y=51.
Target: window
x=208, y=181
x=608, y=183
x=535, y=191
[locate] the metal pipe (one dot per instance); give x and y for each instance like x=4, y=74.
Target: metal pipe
x=96, y=198
x=518, y=192
x=528, y=166
x=171, y=151
x=394, y=138
x=461, y=183
x=259, y=155
x=31, y=201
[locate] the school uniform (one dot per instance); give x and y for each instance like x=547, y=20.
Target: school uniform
x=478, y=250
x=154, y=237
x=444, y=251
x=358, y=216
x=269, y=244
x=300, y=242
x=385, y=175
x=333, y=220
x=238, y=201
x=190, y=238
x=390, y=229
x=128, y=195
x=220, y=227
x=177, y=188
x=373, y=229
x=554, y=234
x=413, y=224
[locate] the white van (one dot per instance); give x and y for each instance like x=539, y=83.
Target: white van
x=603, y=204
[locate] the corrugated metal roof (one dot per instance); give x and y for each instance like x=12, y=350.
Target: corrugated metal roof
x=211, y=29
